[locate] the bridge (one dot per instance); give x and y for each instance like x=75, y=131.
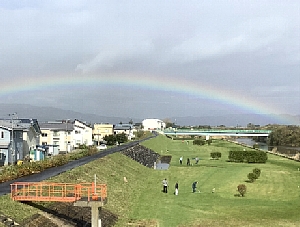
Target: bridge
x=217, y=132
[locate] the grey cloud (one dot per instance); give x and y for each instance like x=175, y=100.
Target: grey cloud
x=234, y=46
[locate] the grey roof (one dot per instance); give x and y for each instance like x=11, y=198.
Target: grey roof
x=57, y=126
x=122, y=128
x=23, y=124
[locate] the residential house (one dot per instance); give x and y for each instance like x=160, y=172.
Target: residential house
x=83, y=134
x=127, y=129
x=59, y=134
x=25, y=139
x=101, y=130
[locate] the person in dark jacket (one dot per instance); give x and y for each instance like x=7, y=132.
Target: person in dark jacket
x=176, y=189
x=165, y=186
x=194, y=186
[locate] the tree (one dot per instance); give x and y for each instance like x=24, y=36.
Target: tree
x=121, y=138
x=284, y=135
x=110, y=139
x=169, y=123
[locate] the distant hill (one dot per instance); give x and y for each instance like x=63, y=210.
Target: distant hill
x=236, y=120
x=43, y=114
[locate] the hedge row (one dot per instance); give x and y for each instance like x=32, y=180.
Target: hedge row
x=250, y=156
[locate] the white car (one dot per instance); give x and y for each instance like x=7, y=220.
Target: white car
x=102, y=147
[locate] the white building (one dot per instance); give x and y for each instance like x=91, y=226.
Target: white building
x=67, y=135
x=153, y=124
x=58, y=133
x=83, y=134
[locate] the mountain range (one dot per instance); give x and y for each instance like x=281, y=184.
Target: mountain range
x=44, y=114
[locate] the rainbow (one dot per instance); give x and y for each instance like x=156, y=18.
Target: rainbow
x=156, y=83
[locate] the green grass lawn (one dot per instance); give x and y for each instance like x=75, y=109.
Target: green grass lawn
x=272, y=200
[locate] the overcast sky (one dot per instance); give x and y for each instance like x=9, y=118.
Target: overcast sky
x=247, y=49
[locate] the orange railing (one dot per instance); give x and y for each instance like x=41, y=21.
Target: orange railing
x=61, y=192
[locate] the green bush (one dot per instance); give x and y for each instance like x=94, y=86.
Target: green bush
x=209, y=141
x=215, y=155
x=249, y=156
x=257, y=172
x=255, y=146
x=242, y=189
x=252, y=177
x=199, y=142
x=236, y=156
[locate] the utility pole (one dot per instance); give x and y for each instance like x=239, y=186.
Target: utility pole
x=67, y=135
x=12, y=138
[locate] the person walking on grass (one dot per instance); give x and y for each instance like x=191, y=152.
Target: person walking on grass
x=188, y=162
x=194, y=186
x=165, y=185
x=180, y=160
x=176, y=189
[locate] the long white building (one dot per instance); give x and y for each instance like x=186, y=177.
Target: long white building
x=153, y=124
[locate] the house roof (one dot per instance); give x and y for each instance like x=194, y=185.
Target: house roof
x=22, y=124
x=122, y=128
x=57, y=126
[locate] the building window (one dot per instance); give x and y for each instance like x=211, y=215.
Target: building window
x=44, y=135
x=55, y=133
x=2, y=135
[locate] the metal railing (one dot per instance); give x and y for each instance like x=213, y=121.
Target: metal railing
x=60, y=192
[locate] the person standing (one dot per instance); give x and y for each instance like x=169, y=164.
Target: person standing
x=165, y=185
x=180, y=160
x=188, y=163
x=176, y=188
x=194, y=186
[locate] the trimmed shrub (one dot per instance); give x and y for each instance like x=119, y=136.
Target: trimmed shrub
x=250, y=156
x=257, y=172
x=199, y=142
x=215, y=155
x=252, y=177
x=242, y=189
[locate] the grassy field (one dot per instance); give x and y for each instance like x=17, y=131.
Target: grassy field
x=272, y=200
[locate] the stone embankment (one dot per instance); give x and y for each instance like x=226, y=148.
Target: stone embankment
x=8, y=221
x=142, y=155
